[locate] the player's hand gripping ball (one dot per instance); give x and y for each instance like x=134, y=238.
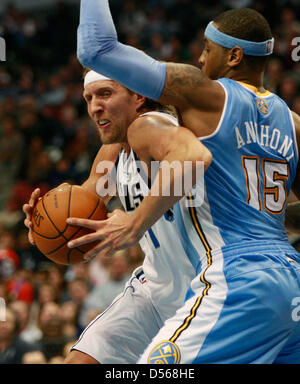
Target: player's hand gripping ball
x=51, y=232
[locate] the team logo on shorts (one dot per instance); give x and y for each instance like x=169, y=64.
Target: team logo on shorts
x=165, y=352
x=262, y=106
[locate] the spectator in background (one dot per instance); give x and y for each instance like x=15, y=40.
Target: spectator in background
x=68, y=119
x=34, y=357
x=56, y=360
x=99, y=270
x=101, y=297
x=50, y=323
x=69, y=314
x=34, y=149
x=56, y=279
x=26, y=331
x=29, y=126
x=78, y=290
x=36, y=178
x=12, y=347
x=28, y=103
x=274, y=75
x=11, y=147
x=30, y=256
x=46, y=293
x=296, y=105
x=158, y=49
x=20, y=287
x=133, y=20
x=56, y=94
x=62, y=172
x=288, y=90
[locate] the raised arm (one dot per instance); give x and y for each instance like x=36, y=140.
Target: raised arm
x=177, y=84
x=98, y=48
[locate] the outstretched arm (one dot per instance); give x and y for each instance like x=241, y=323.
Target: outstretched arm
x=98, y=48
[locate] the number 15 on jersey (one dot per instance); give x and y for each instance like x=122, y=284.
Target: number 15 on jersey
x=266, y=181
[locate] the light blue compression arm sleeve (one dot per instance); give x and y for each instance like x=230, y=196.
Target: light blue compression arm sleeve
x=98, y=48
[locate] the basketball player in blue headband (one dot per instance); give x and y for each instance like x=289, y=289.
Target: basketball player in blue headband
x=252, y=48
x=241, y=306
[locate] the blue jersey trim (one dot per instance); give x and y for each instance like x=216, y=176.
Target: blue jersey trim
x=188, y=246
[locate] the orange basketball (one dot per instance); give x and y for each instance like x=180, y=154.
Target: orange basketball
x=51, y=232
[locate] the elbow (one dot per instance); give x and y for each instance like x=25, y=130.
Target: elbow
x=90, y=46
x=203, y=156
x=83, y=58
x=207, y=158
x=85, y=53
x=87, y=49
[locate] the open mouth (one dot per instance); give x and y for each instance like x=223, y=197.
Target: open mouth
x=103, y=123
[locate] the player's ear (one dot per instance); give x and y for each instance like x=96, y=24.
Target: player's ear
x=235, y=56
x=140, y=100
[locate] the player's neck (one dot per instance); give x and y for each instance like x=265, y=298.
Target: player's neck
x=251, y=78
x=126, y=147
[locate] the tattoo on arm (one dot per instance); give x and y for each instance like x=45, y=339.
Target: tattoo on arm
x=182, y=79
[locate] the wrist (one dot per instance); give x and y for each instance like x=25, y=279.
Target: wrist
x=138, y=222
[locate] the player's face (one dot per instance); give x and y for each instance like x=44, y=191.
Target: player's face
x=112, y=108
x=213, y=60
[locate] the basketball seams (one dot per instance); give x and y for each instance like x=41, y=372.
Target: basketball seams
x=90, y=217
x=46, y=237
x=61, y=245
x=62, y=254
x=60, y=233
x=69, y=254
x=71, y=237
x=77, y=248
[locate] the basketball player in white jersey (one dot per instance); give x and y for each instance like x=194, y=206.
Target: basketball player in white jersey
x=134, y=128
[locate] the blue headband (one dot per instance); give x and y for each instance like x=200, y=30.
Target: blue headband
x=251, y=48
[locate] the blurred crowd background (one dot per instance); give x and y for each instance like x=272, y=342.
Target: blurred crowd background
x=46, y=138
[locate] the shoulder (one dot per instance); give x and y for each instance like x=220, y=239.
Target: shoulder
x=149, y=131
x=152, y=119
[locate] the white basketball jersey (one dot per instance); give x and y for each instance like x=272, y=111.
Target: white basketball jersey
x=168, y=269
